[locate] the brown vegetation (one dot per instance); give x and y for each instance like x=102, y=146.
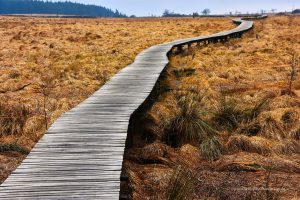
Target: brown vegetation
x=48, y=66
x=232, y=121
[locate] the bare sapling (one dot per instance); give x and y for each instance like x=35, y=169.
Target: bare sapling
x=45, y=87
x=293, y=70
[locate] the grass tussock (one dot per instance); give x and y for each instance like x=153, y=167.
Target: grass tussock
x=4, y=148
x=238, y=143
x=189, y=124
x=261, y=145
x=229, y=114
x=295, y=134
x=183, y=72
x=12, y=119
x=272, y=128
x=211, y=149
x=181, y=185
x=287, y=147
x=250, y=128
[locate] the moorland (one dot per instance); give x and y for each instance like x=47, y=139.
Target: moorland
x=225, y=121
x=49, y=65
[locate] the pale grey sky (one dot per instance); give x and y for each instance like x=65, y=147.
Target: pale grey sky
x=156, y=7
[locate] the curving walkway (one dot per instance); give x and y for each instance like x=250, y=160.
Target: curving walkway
x=81, y=155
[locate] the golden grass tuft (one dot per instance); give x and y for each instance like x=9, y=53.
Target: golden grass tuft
x=295, y=134
x=279, y=123
x=211, y=149
x=181, y=185
x=272, y=128
x=189, y=124
x=244, y=143
x=154, y=151
x=12, y=119
x=287, y=147
x=4, y=148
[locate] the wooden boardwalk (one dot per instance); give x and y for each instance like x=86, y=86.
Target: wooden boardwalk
x=81, y=155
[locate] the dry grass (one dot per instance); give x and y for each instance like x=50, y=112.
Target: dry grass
x=54, y=64
x=13, y=148
x=48, y=66
x=12, y=119
x=252, y=97
x=211, y=149
x=181, y=185
x=254, y=71
x=249, y=144
x=189, y=124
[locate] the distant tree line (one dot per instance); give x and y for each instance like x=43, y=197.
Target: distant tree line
x=297, y=11
x=57, y=8
x=168, y=13
x=206, y=12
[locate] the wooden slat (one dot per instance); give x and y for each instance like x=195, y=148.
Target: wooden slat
x=80, y=157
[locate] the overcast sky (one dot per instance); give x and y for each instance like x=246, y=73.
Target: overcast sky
x=156, y=7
